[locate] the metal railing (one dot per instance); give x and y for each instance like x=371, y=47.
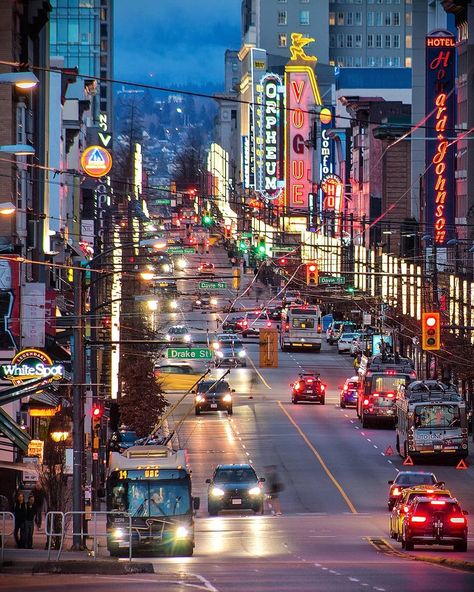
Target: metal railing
x=61, y=521
x=4, y=516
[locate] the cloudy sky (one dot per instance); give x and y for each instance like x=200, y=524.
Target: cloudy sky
x=174, y=42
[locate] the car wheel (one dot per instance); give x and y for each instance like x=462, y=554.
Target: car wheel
x=294, y=400
x=212, y=510
x=322, y=401
x=185, y=550
x=339, y=351
x=409, y=546
x=365, y=423
x=343, y=405
x=461, y=547
x=197, y=411
x=230, y=411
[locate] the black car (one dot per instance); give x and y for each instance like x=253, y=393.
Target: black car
x=235, y=487
x=308, y=387
x=212, y=395
x=435, y=522
x=406, y=479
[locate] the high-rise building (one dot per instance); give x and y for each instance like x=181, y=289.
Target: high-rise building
x=81, y=34
x=370, y=33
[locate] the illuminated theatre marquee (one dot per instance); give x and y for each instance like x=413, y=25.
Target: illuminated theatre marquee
x=302, y=93
x=440, y=152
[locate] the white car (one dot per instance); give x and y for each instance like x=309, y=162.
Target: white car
x=344, y=343
x=178, y=334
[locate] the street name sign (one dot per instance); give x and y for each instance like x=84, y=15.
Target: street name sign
x=283, y=248
x=181, y=250
x=331, y=280
x=161, y=202
x=212, y=285
x=189, y=353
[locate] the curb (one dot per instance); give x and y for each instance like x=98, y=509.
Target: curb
x=445, y=562
x=77, y=567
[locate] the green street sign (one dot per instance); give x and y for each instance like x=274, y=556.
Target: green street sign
x=161, y=202
x=212, y=285
x=181, y=250
x=246, y=235
x=189, y=353
x=331, y=280
x=283, y=248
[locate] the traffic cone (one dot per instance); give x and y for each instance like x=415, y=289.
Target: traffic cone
x=408, y=461
x=462, y=465
x=389, y=451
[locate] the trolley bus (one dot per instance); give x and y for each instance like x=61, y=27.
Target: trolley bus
x=301, y=327
x=152, y=486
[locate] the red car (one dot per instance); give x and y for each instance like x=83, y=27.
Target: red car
x=206, y=269
x=308, y=387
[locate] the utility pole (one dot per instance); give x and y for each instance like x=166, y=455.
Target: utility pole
x=77, y=409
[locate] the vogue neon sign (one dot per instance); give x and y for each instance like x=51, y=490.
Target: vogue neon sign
x=440, y=106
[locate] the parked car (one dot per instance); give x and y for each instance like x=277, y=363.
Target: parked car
x=235, y=487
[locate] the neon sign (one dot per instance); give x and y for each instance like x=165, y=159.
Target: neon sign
x=96, y=161
x=30, y=364
x=297, y=52
x=332, y=188
x=269, y=163
x=302, y=93
x=440, y=153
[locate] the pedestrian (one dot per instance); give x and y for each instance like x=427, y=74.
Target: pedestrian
x=273, y=487
x=19, y=513
x=356, y=363
x=28, y=525
x=39, y=495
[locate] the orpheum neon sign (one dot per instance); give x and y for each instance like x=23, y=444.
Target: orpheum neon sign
x=440, y=153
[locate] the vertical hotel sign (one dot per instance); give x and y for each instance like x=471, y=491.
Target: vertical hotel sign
x=302, y=93
x=440, y=123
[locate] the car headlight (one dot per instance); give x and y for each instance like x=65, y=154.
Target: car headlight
x=187, y=338
x=181, y=263
x=166, y=268
x=227, y=398
x=255, y=490
x=214, y=301
x=182, y=532
x=168, y=337
x=242, y=353
x=173, y=304
x=219, y=354
x=199, y=398
x=118, y=533
x=217, y=492
x=198, y=302
x=215, y=345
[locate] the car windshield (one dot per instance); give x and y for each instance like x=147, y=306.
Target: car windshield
x=177, y=331
x=127, y=437
x=415, y=479
x=437, y=416
x=212, y=387
x=349, y=336
x=235, y=476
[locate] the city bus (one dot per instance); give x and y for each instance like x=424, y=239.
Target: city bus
x=432, y=420
x=152, y=485
x=379, y=379
x=301, y=327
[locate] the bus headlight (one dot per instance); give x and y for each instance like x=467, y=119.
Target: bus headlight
x=118, y=533
x=217, y=492
x=182, y=532
x=242, y=353
x=255, y=491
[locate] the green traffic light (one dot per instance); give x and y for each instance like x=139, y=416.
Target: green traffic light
x=207, y=220
x=350, y=289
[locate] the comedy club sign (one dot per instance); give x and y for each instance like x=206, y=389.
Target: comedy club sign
x=440, y=123
x=30, y=364
x=302, y=93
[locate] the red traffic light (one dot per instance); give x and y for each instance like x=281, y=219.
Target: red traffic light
x=312, y=268
x=430, y=331
x=282, y=261
x=97, y=411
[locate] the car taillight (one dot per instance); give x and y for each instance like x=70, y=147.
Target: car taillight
x=319, y=328
x=418, y=519
x=323, y=388
x=457, y=520
x=376, y=395
x=296, y=386
x=287, y=326
x=396, y=490
x=269, y=323
x=406, y=509
x=366, y=401
x=309, y=381
x=437, y=503
x=390, y=395
x=244, y=323
x=430, y=491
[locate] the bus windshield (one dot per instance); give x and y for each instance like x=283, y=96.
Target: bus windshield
x=437, y=416
x=144, y=499
x=302, y=323
x=387, y=383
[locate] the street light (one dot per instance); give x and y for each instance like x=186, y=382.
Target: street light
x=7, y=208
x=59, y=436
x=18, y=149
x=23, y=80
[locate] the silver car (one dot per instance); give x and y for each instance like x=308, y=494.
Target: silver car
x=344, y=343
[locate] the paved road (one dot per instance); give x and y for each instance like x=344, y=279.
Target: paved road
x=334, y=524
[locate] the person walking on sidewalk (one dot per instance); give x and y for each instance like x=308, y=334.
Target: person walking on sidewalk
x=39, y=495
x=28, y=526
x=19, y=512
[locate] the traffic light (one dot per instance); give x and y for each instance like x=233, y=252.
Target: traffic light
x=350, y=289
x=227, y=231
x=262, y=248
x=312, y=274
x=282, y=261
x=430, y=331
x=243, y=245
x=207, y=219
x=97, y=412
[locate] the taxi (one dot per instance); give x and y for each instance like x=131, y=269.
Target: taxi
x=406, y=499
x=176, y=377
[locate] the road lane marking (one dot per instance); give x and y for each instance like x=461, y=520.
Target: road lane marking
x=321, y=462
x=258, y=374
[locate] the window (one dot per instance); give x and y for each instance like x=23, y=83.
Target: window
x=304, y=17
x=370, y=19
x=340, y=18
x=408, y=19
x=388, y=41
x=349, y=18
x=388, y=61
x=282, y=1
x=371, y=61
x=396, y=61
x=358, y=41
x=378, y=19
x=340, y=40
x=396, y=41
x=332, y=18
x=370, y=1
x=332, y=40
x=282, y=17
x=235, y=66
x=370, y=41
x=378, y=41
x=304, y=1
x=407, y=62
x=388, y=19
x=395, y=19
x=349, y=61
x=408, y=41
x=358, y=61
x=349, y=41
x=282, y=40
x=358, y=18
